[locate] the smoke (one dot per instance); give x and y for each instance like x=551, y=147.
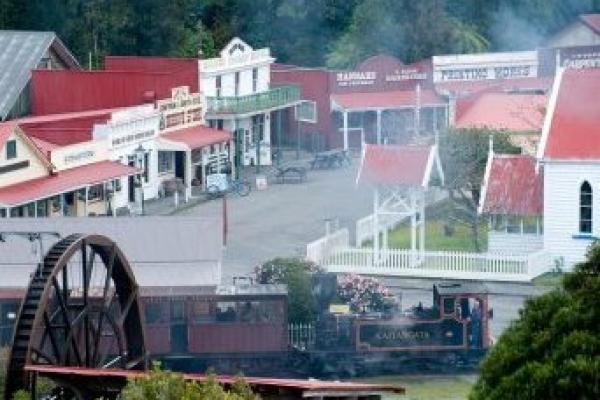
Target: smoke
x=512, y=32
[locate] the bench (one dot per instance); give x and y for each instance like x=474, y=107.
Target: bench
x=330, y=159
x=290, y=174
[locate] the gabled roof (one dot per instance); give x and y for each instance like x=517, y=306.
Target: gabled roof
x=572, y=125
x=511, y=186
x=518, y=112
x=9, y=127
x=398, y=165
x=592, y=21
x=20, y=53
x=387, y=100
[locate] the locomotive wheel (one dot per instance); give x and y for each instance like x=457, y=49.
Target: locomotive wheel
x=81, y=310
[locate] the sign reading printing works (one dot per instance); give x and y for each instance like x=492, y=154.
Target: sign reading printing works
x=474, y=67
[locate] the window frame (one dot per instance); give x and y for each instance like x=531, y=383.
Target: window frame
x=11, y=149
x=300, y=118
x=586, y=223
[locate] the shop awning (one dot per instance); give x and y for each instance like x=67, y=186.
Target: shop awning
x=63, y=181
x=385, y=100
x=192, y=138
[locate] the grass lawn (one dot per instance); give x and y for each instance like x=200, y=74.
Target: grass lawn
x=445, y=387
x=435, y=239
x=548, y=279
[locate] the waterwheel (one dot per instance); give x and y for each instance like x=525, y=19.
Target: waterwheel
x=81, y=310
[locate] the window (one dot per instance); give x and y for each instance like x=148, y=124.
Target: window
x=218, y=86
x=237, y=83
x=585, y=208
x=11, y=149
x=258, y=128
x=307, y=112
x=254, y=79
x=146, y=166
x=165, y=162
x=96, y=192
x=153, y=312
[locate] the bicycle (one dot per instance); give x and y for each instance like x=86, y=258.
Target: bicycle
x=240, y=187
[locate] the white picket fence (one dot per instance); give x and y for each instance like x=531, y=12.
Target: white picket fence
x=323, y=248
x=439, y=264
x=364, y=227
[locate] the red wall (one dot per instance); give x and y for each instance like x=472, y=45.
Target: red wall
x=314, y=84
x=238, y=337
x=67, y=91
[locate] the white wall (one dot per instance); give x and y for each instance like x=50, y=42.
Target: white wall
x=35, y=169
x=514, y=243
x=561, y=209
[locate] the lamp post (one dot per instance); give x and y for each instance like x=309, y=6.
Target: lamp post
x=140, y=152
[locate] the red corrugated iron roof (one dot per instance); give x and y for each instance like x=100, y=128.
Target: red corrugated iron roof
x=92, y=90
x=62, y=181
x=298, y=384
x=198, y=136
x=592, y=21
x=388, y=100
x=396, y=165
x=503, y=111
x=148, y=64
x=513, y=187
x=574, y=130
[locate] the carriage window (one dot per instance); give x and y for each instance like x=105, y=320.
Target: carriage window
x=449, y=305
x=152, y=312
x=585, y=208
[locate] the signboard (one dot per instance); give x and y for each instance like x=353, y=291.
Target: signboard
x=474, y=67
x=356, y=78
x=585, y=60
x=181, y=109
x=339, y=309
x=406, y=74
x=218, y=180
x=390, y=336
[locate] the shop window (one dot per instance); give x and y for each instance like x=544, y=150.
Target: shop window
x=11, y=149
x=165, y=162
x=42, y=208
x=96, y=193
x=355, y=120
x=2, y=212
x=153, y=312
x=585, y=208
x=307, y=112
x=117, y=185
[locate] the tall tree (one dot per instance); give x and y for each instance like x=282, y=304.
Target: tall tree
x=553, y=350
x=464, y=155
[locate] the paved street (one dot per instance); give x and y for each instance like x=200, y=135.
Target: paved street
x=281, y=220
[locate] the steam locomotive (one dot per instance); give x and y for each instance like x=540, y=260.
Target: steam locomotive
x=245, y=329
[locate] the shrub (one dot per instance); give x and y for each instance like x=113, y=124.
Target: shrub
x=363, y=293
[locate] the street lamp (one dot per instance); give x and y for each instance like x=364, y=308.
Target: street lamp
x=140, y=152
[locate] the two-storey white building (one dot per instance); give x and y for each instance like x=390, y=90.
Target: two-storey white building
x=240, y=98
x=570, y=156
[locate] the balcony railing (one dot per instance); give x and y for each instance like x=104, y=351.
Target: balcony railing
x=273, y=98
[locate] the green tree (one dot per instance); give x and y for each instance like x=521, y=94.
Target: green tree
x=297, y=275
x=553, y=350
x=464, y=154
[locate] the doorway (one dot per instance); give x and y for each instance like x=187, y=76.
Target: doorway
x=179, y=329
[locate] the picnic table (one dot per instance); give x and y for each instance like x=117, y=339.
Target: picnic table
x=295, y=174
x=330, y=159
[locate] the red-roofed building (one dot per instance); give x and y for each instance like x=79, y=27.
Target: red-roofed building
x=382, y=101
x=141, y=80
x=570, y=155
x=512, y=198
x=520, y=114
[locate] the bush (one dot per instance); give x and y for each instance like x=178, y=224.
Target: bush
x=296, y=274
x=163, y=385
x=364, y=294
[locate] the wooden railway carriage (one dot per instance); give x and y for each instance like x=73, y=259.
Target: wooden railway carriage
x=225, y=327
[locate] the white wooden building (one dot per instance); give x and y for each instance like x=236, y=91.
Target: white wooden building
x=570, y=156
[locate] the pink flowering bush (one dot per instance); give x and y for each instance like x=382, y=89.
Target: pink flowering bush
x=363, y=293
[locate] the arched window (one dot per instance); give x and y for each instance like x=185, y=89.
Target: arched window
x=585, y=208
